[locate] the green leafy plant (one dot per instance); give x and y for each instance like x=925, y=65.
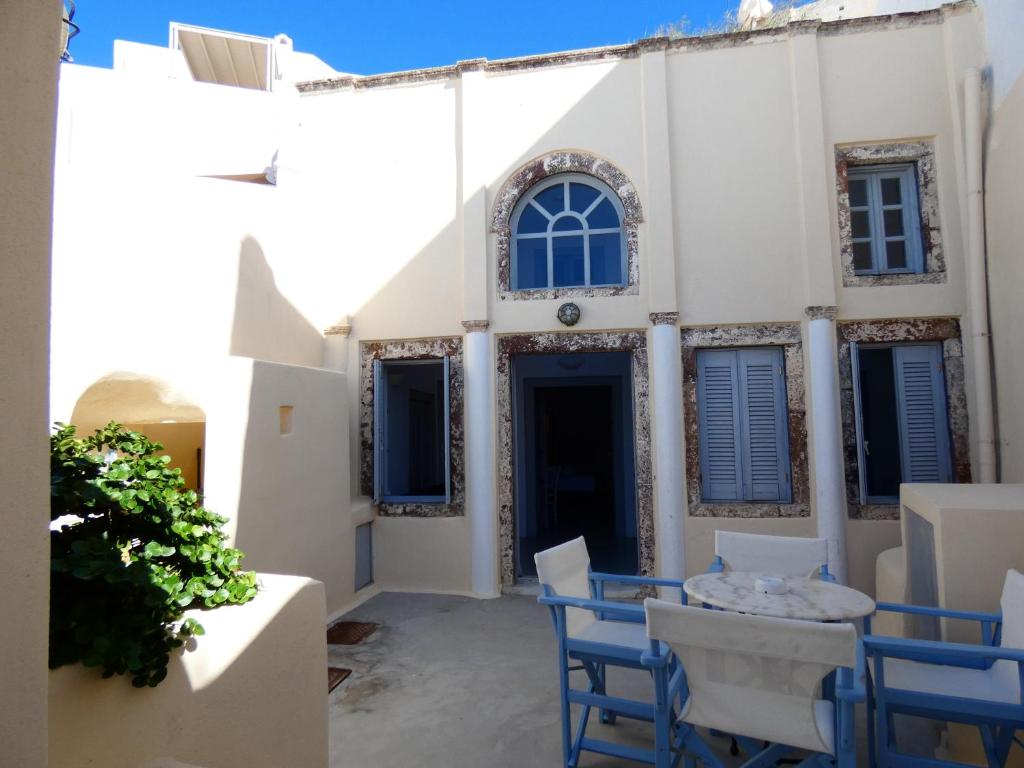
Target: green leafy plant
x=131, y=550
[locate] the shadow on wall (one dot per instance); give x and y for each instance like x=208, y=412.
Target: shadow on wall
x=258, y=672
x=279, y=439
x=266, y=325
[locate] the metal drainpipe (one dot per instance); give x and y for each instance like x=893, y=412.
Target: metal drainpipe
x=977, y=279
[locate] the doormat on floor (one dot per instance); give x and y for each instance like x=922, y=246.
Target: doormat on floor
x=336, y=676
x=350, y=632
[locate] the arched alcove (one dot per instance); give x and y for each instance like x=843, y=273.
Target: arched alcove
x=154, y=407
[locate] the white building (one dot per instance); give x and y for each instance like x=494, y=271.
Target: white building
x=787, y=203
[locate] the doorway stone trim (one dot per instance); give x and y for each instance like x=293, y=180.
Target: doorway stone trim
x=508, y=346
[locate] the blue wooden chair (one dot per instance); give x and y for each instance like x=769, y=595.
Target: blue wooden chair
x=594, y=633
x=777, y=555
x=979, y=685
x=759, y=678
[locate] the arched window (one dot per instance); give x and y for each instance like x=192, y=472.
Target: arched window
x=567, y=232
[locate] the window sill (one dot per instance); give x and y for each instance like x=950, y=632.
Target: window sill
x=748, y=509
x=898, y=278
x=874, y=511
x=583, y=291
x=419, y=509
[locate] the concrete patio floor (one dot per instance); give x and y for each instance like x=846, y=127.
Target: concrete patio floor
x=457, y=682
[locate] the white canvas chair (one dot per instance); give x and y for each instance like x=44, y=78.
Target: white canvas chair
x=595, y=633
x=760, y=678
x=980, y=685
x=778, y=555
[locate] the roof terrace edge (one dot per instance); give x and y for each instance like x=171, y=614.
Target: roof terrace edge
x=633, y=50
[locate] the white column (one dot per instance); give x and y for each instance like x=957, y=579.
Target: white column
x=667, y=424
x=481, y=502
x=826, y=437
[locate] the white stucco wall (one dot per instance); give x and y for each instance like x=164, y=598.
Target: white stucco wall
x=287, y=494
x=1004, y=168
x=250, y=694
x=385, y=191
x=29, y=34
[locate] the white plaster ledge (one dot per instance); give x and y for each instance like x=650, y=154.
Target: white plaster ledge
x=251, y=694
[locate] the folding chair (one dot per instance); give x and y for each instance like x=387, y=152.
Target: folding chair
x=596, y=633
x=981, y=685
x=778, y=555
x=760, y=678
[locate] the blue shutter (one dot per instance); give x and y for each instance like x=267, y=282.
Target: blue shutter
x=921, y=399
x=718, y=407
x=447, y=430
x=379, y=410
x=763, y=423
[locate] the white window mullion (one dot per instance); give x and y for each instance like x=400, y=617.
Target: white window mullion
x=551, y=261
x=593, y=205
x=877, y=222
x=586, y=258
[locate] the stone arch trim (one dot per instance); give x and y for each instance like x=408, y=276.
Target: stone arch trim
x=538, y=169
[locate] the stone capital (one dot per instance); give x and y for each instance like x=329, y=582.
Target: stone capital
x=821, y=313
x=338, y=330
x=475, y=325
x=664, y=318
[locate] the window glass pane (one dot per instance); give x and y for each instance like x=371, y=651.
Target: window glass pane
x=859, y=224
x=891, y=192
x=568, y=224
x=604, y=216
x=862, y=256
x=605, y=260
x=581, y=196
x=896, y=254
x=568, y=260
x=531, y=220
x=893, y=222
x=858, y=192
x=531, y=262
x=552, y=199
x=414, y=420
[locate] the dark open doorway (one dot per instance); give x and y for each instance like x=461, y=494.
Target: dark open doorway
x=574, y=457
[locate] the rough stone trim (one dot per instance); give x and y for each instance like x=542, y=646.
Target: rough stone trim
x=664, y=318
x=566, y=161
x=476, y=325
x=821, y=312
x=922, y=155
x=631, y=51
x=945, y=330
x=338, y=330
x=414, y=349
x=787, y=336
x=634, y=342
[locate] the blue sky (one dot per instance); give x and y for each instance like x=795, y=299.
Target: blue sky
x=370, y=37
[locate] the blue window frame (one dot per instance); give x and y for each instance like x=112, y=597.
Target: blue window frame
x=412, y=431
x=885, y=223
x=567, y=232
x=743, y=422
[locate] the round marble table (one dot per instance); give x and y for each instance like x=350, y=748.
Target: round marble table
x=809, y=599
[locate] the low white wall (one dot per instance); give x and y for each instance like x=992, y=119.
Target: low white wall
x=287, y=494
x=252, y=694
